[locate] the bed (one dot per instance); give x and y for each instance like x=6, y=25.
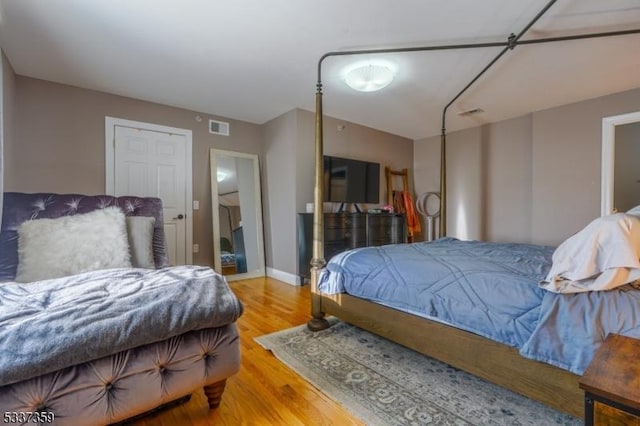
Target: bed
x=448, y=339
x=227, y=257
x=479, y=306
x=104, y=345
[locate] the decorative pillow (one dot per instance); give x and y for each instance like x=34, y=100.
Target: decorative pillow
x=51, y=248
x=140, y=232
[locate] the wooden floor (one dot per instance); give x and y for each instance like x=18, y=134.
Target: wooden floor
x=265, y=391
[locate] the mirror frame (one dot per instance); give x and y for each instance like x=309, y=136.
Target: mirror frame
x=215, y=213
x=608, y=157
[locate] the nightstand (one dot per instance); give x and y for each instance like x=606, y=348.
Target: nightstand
x=613, y=380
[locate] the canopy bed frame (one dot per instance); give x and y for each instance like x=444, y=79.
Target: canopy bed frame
x=478, y=355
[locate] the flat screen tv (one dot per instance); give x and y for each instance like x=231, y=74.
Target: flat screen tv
x=351, y=181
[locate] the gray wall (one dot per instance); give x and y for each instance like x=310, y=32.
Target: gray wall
x=8, y=106
x=534, y=178
x=280, y=140
x=539, y=174
x=289, y=155
x=58, y=144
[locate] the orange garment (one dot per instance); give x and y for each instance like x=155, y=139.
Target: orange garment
x=403, y=204
x=413, y=222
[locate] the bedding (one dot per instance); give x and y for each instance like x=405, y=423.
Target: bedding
x=228, y=259
x=48, y=325
x=603, y=255
x=101, y=347
x=490, y=289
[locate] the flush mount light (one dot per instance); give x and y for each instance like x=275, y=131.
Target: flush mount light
x=369, y=77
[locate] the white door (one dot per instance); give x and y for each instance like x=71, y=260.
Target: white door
x=152, y=161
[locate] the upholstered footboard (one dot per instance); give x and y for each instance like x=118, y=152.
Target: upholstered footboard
x=131, y=382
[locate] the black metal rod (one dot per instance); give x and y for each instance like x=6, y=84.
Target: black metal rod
x=510, y=44
x=580, y=36
x=470, y=46
x=404, y=50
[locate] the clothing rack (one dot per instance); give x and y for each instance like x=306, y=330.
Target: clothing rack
x=389, y=175
x=401, y=200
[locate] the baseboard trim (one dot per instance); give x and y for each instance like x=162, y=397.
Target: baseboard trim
x=283, y=276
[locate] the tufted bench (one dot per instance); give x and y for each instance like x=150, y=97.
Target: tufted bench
x=128, y=383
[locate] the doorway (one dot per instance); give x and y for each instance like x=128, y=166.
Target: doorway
x=150, y=160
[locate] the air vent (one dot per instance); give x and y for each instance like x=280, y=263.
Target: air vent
x=218, y=127
x=470, y=112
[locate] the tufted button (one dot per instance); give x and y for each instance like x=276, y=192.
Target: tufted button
x=161, y=369
x=41, y=408
x=108, y=386
x=39, y=405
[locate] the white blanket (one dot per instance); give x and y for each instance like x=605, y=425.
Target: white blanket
x=602, y=256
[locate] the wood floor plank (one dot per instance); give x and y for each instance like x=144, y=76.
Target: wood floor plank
x=265, y=391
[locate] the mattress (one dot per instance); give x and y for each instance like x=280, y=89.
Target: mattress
x=490, y=289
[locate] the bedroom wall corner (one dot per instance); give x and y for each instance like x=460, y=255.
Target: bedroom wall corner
x=279, y=189
x=567, y=153
x=58, y=144
x=507, y=169
x=7, y=135
x=488, y=179
x=1, y=133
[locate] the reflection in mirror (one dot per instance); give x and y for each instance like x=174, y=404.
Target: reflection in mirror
x=626, y=177
x=620, y=180
x=238, y=245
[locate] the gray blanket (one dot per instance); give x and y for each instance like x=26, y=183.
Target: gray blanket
x=53, y=324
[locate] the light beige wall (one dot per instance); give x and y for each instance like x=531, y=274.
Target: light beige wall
x=487, y=169
x=567, y=152
x=465, y=196
x=426, y=177
x=539, y=174
x=279, y=194
x=289, y=153
x=59, y=144
x=350, y=140
x=8, y=114
x=507, y=167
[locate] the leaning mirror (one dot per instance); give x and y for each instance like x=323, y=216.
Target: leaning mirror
x=236, y=204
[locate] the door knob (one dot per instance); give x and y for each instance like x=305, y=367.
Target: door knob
x=179, y=217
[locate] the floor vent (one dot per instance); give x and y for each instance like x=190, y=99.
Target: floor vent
x=219, y=127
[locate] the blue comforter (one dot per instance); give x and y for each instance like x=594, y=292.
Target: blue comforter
x=49, y=325
x=491, y=289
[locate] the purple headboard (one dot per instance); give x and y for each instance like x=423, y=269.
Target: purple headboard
x=19, y=207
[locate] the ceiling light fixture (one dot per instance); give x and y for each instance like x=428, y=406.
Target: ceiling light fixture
x=369, y=77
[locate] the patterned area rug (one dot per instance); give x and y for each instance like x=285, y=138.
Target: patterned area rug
x=383, y=383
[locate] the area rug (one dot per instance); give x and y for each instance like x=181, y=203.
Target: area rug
x=383, y=383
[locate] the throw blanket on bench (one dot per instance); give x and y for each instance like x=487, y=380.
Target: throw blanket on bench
x=49, y=325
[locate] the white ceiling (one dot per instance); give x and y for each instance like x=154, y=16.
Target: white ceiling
x=253, y=60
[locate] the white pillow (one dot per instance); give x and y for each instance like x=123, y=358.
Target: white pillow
x=140, y=232
x=602, y=256
x=51, y=248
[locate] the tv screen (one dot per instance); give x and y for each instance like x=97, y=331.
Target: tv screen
x=351, y=181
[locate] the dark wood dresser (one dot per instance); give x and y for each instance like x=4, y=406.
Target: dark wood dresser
x=344, y=231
